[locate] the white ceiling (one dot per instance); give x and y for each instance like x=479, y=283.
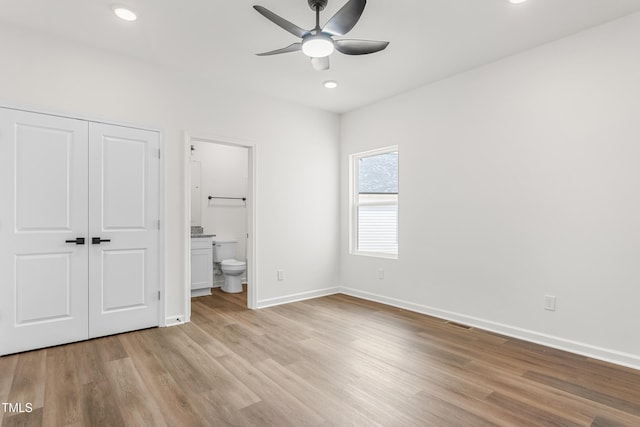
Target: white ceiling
x=214, y=41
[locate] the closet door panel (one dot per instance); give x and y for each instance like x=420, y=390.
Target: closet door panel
x=123, y=199
x=124, y=165
x=43, y=268
x=43, y=157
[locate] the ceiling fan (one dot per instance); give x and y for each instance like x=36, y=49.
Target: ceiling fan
x=318, y=43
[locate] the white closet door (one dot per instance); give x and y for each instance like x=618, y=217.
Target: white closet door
x=43, y=204
x=123, y=200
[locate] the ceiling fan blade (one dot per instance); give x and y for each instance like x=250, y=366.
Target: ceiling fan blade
x=345, y=19
x=281, y=22
x=320, y=64
x=359, y=47
x=291, y=48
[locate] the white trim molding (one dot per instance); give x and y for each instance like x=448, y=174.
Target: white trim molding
x=297, y=297
x=587, y=350
x=174, y=321
x=252, y=215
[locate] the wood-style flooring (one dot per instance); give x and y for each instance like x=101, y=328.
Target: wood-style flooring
x=332, y=361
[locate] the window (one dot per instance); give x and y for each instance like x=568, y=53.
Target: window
x=374, y=203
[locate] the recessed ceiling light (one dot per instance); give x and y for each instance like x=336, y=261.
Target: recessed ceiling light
x=517, y=1
x=124, y=13
x=331, y=84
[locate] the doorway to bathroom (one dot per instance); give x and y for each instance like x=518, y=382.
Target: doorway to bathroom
x=220, y=208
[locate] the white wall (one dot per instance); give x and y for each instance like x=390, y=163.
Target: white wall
x=296, y=150
x=224, y=173
x=517, y=179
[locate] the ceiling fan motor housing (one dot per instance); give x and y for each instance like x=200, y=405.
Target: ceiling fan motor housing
x=317, y=4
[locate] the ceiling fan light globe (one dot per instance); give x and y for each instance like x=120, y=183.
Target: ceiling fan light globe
x=317, y=46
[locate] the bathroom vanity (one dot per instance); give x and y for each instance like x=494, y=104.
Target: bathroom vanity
x=201, y=264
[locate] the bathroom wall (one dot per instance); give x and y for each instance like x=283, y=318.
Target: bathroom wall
x=224, y=173
x=518, y=180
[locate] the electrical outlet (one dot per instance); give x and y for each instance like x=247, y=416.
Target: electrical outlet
x=380, y=274
x=280, y=275
x=550, y=303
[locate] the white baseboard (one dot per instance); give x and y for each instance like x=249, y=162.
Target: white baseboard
x=607, y=355
x=297, y=297
x=174, y=321
x=588, y=350
x=200, y=292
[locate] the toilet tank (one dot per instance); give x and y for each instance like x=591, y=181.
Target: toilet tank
x=224, y=249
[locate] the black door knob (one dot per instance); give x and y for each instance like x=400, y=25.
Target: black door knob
x=97, y=240
x=77, y=241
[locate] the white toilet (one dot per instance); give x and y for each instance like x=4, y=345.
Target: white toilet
x=224, y=252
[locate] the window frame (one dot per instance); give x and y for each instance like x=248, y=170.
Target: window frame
x=355, y=203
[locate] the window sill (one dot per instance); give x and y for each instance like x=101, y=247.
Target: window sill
x=375, y=254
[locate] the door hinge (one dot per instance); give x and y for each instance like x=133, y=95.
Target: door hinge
x=158, y=224
x=159, y=153
x=158, y=295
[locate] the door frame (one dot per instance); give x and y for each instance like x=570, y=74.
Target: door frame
x=252, y=269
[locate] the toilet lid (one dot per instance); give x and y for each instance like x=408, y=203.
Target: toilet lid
x=233, y=262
